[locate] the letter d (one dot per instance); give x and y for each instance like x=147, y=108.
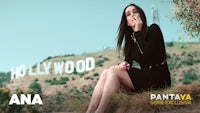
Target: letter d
x=90, y=63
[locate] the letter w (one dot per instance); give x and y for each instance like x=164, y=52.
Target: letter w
x=58, y=67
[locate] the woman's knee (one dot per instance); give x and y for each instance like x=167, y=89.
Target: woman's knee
x=104, y=74
x=117, y=72
x=112, y=71
x=113, y=68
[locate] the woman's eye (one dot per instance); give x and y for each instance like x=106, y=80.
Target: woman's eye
x=135, y=12
x=128, y=14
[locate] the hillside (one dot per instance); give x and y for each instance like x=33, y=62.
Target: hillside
x=67, y=92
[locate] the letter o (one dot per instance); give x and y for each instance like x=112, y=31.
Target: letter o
x=80, y=66
x=21, y=70
x=69, y=67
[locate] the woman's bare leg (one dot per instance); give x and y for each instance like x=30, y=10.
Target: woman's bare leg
x=116, y=78
x=97, y=93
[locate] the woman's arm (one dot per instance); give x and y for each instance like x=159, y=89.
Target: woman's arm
x=152, y=44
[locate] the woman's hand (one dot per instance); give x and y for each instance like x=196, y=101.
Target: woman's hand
x=124, y=65
x=139, y=23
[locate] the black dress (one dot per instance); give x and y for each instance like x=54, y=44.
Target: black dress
x=150, y=53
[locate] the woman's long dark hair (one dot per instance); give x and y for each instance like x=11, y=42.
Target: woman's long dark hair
x=125, y=31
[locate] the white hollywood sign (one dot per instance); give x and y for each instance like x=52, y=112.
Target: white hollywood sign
x=59, y=68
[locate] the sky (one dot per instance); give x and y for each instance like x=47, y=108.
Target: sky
x=32, y=30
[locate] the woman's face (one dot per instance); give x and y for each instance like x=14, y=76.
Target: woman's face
x=131, y=15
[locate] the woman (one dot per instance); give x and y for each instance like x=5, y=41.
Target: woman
x=144, y=45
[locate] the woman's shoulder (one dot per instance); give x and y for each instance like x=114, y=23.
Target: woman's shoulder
x=154, y=26
x=155, y=29
x=154, y=32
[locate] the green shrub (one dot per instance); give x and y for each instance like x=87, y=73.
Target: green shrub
x=36, y=87
x=64, y=78
x=67, y=55
x=190, y=55
x=75, y=72
x=177, y=58
x=183, y=53
x=168, y=55
x=82, y=74
x=186, y=81
x=36, y=80
x=183, y=47
x=4, y=99
x=59, y=98
x=192, y=77
x=54, y=81
x=73, y=78
x=47, y=80
x=188, y=62
x=4, y=77
x=170, y=44
x=172, y=82
x=99, y=63
x=189, y=77
x=96, y=74
x=89, y=78
x=106, y=59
